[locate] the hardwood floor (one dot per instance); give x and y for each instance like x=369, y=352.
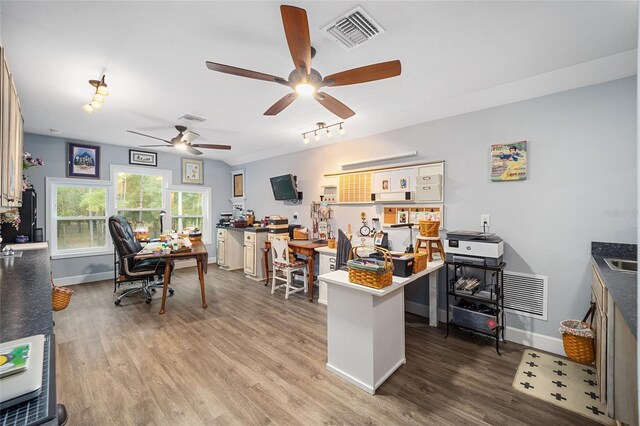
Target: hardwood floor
x=253, y=358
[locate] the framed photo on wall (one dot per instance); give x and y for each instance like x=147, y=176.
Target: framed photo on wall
x=83, y=160
x=509, y=162
x=238, y=184
x=192, y=171
x=143, y=158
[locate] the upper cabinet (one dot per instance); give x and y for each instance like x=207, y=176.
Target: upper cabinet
x=11, y=139
x=418, y=183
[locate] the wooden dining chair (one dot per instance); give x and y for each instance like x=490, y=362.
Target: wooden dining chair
x=284, y=263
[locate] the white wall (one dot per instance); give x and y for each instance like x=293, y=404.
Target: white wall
x=581, y=185
x=217, y=176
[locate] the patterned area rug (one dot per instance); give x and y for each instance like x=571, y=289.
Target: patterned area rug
x=562, y=382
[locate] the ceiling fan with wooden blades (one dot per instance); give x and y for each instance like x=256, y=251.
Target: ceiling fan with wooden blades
x=305, y=80
x=183, y=141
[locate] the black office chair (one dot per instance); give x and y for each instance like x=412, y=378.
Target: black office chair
x=147, y=271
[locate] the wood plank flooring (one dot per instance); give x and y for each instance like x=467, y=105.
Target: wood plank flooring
x=252, y=358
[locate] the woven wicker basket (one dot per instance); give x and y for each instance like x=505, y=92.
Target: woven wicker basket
x=419, y=261
x=60, y=297
x=429, y=228
x=579, y=349
x=578, y=338
x=369, y=278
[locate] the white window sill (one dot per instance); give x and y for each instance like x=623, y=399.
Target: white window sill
x=81, y=254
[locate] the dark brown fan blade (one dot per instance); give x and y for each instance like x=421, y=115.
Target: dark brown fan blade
x=210, y=146
x=296, y=29
x=334, y=105
x=193, y=151
x=148, y=136
x=228, y=69
x=364, y=74
x=281, y=104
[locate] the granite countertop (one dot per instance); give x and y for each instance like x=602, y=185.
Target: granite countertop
x=622, y=286
x=248, y=229
x=25, y=307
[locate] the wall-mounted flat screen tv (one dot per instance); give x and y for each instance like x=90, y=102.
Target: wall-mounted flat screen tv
x=284, y=187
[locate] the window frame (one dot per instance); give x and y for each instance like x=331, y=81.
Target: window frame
x=52, y=217
x=206, y=207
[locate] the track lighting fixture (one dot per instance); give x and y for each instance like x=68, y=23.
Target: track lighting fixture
x=98, y=96
x=322, y=126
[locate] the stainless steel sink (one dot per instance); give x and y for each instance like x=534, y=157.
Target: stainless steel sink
x=623, y=265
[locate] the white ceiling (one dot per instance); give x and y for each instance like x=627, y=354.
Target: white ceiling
x=456, y=57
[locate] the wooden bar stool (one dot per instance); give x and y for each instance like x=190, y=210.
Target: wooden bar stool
x=427, y=244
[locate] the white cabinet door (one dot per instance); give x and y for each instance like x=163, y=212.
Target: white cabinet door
x=250, y=259
x=220, y=252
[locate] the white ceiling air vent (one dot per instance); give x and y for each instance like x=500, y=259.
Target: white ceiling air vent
x=193, y=119
x=353, y=29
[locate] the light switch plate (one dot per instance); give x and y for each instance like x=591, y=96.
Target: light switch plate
x=485, y=219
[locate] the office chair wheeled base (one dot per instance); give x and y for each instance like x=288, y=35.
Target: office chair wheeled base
x=148, y=287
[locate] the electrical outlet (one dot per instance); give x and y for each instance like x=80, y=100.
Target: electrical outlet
x=485, y=220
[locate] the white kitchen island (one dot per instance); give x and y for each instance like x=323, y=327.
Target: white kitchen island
x=365, y=326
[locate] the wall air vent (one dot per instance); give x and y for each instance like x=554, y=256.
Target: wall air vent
x=353, y=29
x=193, y=119
x=526, y=294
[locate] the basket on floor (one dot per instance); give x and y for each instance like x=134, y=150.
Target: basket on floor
x=578, y=339
x=381, y=277
x=60, y=296
x=429, y=228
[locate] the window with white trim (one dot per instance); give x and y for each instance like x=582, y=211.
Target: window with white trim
x=189, y=207
x=78, y=216
x=140, y=195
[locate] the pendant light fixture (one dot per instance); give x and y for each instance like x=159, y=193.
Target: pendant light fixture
x=98, y=97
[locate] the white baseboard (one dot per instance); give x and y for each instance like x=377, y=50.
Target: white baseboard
x=85, y=278
x=515, y=335
x=108, y=275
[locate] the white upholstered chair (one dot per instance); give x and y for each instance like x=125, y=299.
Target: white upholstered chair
x=282, y=263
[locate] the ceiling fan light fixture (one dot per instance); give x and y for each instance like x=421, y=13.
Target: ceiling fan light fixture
x=305, y=89
x=96, y=105
x=98, y=98
x=88, y=108
x=181, y=146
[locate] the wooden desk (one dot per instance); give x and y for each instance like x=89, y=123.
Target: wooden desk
x=198, y=251
x=304, y=247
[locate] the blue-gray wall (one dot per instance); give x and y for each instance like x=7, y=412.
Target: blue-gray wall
x=581, y=185
x=217, y=176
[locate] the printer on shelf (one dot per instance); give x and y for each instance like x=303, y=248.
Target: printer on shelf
x=476, y=248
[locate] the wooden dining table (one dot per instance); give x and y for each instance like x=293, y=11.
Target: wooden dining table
x=304, y=247
x=197, y=251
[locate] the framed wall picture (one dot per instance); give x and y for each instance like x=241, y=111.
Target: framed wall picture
x=83, y=160
x=192, y=171
x=509, y=161
x=238, y=183
x=143, y=158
